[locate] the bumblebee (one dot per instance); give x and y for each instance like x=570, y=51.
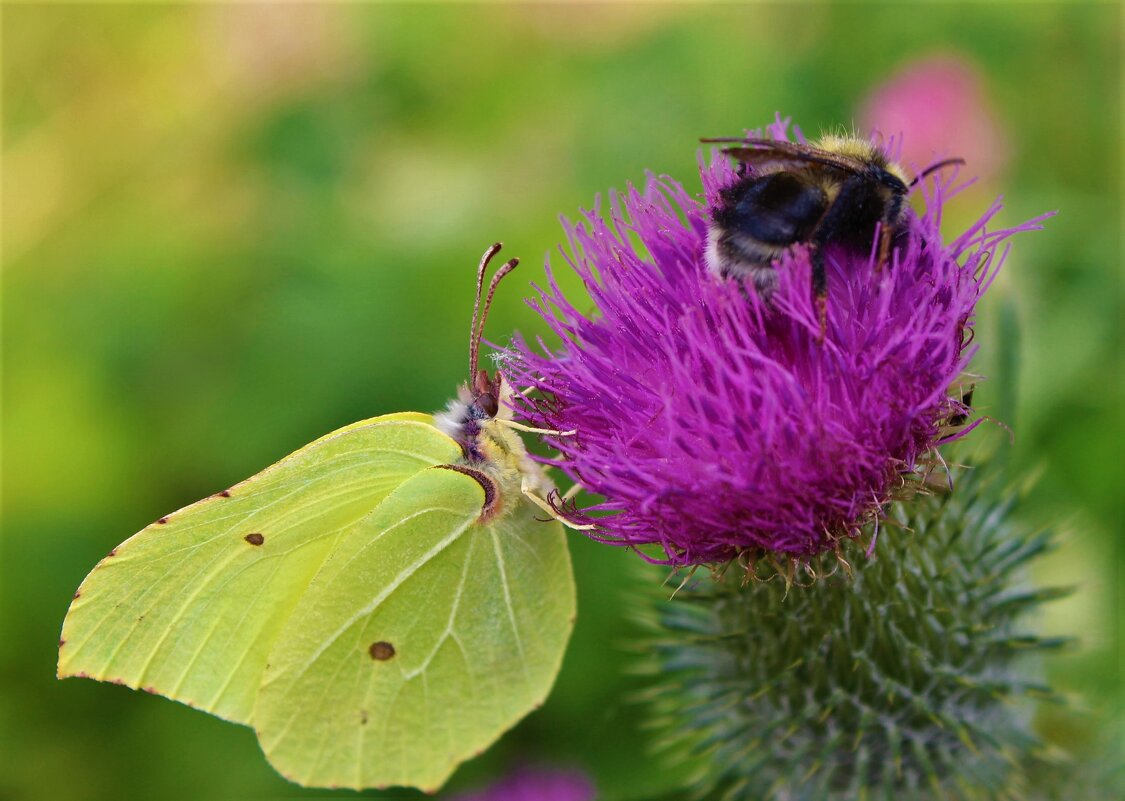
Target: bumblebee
x=837, y=191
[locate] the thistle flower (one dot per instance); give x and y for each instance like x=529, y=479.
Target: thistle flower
x=536, y=785
x=717, y=425
x=910, y=681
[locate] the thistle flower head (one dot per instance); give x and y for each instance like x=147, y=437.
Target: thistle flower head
x=715, y=423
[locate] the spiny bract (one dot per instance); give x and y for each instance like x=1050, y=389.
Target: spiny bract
x=903, y=682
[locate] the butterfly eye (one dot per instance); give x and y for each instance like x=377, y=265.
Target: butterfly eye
x=486, y=403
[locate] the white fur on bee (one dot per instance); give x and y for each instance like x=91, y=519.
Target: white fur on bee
x=762, y=276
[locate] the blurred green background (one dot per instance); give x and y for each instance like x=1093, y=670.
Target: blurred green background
x=228, y=229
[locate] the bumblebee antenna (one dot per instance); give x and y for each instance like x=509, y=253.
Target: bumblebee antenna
x=480, y=310
x=934, y=168
x=747, y=140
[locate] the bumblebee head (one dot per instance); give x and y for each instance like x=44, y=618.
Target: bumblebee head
x=868, y=153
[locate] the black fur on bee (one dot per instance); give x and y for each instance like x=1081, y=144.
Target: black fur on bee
x=838, y=192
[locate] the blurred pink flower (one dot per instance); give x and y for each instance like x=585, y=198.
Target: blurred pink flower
x=262, y=51
x=938, y=108
x=536, y=785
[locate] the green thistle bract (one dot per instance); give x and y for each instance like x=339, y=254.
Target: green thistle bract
x=909, y=680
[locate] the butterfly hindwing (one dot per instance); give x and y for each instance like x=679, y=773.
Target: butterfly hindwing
x=452, y=641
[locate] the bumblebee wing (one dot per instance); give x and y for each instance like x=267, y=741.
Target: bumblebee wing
x=766, y=153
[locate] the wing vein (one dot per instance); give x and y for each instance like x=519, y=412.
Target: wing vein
x=160, y=583
x=508, y=600
x=393, y=585
x=452, y=614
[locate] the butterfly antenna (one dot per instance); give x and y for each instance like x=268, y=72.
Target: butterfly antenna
x=505, y=268
x=474, y=339
x=480, y=312
x=935, y=167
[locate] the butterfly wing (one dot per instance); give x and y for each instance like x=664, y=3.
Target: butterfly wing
x=426, y=636
x=210, y=602
x=190, y=606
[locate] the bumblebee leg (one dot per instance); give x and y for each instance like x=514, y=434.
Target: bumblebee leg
x=820, y=289
x=887, y=230
x=884, y=246
x=850, y=212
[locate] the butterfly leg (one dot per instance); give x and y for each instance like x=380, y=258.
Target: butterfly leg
x=531, y=495
x=521, y=427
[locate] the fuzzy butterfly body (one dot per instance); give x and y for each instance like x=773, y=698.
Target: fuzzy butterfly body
x=379, y=606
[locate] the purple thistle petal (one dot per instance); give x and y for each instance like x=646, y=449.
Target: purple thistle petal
x=714, y=424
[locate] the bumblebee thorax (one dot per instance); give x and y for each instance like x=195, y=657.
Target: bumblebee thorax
x=864, y=151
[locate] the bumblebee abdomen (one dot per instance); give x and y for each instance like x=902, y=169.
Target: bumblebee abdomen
x=779, y=208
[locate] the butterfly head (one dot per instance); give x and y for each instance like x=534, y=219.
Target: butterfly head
x=467, y=416
x=479, y=418
x=484, y=397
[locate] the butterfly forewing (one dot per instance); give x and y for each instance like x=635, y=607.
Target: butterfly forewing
x=190, y=607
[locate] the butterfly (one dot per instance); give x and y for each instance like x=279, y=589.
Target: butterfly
x=379, y=606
